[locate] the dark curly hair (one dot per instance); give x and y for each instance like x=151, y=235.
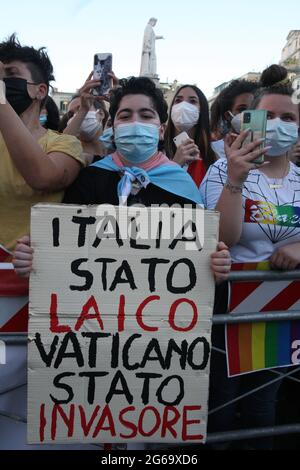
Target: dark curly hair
x=225, y=100
x=139, y=86
x=37, y=60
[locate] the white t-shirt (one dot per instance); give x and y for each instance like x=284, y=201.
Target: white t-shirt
x=271, y=217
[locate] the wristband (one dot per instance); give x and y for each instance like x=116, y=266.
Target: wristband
x=232, y=188
x=2, y=92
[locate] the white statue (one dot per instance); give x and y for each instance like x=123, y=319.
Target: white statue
x=148, y=64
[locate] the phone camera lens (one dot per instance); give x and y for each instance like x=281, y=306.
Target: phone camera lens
x=247, y=118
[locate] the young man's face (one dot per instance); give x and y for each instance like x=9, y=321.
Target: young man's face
x=138, y=108
x=18, y=69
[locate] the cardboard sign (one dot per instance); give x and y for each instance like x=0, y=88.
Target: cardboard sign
x=121, y=301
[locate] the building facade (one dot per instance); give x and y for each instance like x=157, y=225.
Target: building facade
x=290, y=57
x=62, y=99
x=250, y=76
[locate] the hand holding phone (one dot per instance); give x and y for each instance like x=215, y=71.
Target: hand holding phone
x=102, y=69
x=243, y=156
x=180, y=138
x=187, y=151
x=256, y=121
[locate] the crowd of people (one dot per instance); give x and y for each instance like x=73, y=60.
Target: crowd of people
x=120, y=149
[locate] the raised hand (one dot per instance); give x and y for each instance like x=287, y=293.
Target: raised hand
x=23, y=256
x=186, y=153
x=221, y=263
x=240, y=159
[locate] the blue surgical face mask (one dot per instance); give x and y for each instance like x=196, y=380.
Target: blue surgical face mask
x=107, y=140
x=43, y=119
x=137, y=141
x=281, y=136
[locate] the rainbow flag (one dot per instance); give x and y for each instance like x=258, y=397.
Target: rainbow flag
x=256, y=346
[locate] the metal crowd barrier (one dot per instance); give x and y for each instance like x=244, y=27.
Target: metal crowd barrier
x=256, y=317
x=240, y=434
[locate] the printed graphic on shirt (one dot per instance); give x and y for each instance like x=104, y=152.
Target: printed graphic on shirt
x=261, y=212
x=271, y=214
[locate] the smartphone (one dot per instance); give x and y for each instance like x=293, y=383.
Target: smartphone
x=102, y=66
x=256, y=120
x=180, y=138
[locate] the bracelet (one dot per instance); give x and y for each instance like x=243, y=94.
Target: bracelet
x=2, y=92
x=232, y=188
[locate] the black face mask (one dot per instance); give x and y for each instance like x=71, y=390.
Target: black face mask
x=17, y=94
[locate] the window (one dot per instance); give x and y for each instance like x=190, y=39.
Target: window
x=63, y=106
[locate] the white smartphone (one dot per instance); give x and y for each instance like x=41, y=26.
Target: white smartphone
x=180, y=138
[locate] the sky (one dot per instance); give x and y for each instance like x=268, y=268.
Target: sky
x=205, y=42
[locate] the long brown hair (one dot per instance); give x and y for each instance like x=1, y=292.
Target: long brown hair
x=202, y=134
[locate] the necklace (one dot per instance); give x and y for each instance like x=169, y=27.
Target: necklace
x=276, y=186
x=279, y=185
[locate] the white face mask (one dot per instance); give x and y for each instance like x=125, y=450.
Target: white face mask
x=90, y=126
x=236, y=122
x=281, y=136
x=185, y=116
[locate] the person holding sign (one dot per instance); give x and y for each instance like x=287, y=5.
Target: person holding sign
x=137, y=172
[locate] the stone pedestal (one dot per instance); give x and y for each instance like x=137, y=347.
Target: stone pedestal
x=154, y=78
